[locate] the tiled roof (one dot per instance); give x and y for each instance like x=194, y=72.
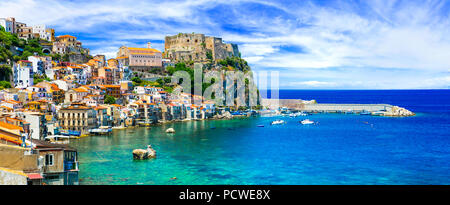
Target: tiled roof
x=143, y=49
x=66, y=36
x=10, y=126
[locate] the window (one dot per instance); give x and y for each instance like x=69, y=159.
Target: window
x=49, y=159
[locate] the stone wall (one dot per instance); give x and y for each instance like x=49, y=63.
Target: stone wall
x=78, y=58
x=194, y=47
x=10, y=177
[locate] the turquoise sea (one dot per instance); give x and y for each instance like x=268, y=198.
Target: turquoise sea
x=341, y=149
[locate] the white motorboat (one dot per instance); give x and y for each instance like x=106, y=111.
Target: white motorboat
x=307, y=122
x=277, y=122
x=101, y=130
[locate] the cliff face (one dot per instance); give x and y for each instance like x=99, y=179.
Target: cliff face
x=197, y=48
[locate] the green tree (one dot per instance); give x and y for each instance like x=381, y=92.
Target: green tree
x=110, y=99
x=136, y=80
x=209, y=55
x=4, y=84
x=5, y=72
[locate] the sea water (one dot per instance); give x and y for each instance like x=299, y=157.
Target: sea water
x=339, y=149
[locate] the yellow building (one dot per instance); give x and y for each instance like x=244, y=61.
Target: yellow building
x=140, y=59
x=67, y=40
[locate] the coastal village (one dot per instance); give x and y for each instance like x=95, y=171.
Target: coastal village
x=53, y=91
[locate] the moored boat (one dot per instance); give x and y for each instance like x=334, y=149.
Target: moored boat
x=307, y=122
x=277, y=122
x=364, y=112
x=101, y=130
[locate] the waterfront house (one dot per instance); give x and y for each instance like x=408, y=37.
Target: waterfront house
x=77, y=117
x=102, y=116
x=60, y=165
x=20, y=166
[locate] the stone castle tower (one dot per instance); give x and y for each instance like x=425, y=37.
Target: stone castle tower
x=197, y=48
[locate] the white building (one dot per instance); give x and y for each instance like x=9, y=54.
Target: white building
x=41, y=64
x=9, y=24
x=23, y=74
x=37, y=124
x=37, y=64
x=43, y=32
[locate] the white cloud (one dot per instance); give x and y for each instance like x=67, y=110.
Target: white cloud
x=380, y=35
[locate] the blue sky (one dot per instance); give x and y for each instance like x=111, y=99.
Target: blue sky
x=314, y=44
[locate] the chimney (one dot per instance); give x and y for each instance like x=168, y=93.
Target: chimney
x=149, y=45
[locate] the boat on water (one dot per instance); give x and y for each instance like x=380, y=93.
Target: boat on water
x=296, y=114
x=277, y=122
x=349, y=112
x=260, y=125
x=119, y=128
x=307, y=122
x=101, y=130
x=364, y=112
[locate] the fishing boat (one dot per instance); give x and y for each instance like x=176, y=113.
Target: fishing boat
x=260, y=125
x=277, y=122
x=307, y=122
x=101, y=130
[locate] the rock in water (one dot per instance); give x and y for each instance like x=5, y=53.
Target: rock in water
x=170, y=130
x=227, y=115
x=144, y=154
x=399, y=112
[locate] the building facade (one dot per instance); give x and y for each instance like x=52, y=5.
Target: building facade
x=77, y=118
x=23, y=74
x=140, y=59
x=197, y=48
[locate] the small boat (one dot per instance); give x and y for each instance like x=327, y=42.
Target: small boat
x=213, y=128
x=302, y=114
x=349, y=112
x=119, y=128
x=101, y=130
x=277, y=122
x=307, y=122
x=260, y=125
x=365, y=113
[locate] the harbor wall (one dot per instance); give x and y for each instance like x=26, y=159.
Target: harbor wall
x=346, y=107
x=311, y=106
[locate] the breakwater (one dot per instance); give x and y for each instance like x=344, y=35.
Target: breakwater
x=313, y=106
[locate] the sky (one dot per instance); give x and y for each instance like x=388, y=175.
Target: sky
x=313, y=44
